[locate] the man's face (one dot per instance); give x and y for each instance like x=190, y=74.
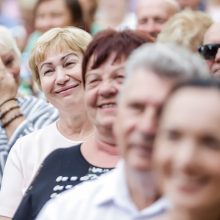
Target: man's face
x=211, y=37
x=152, y=15
x=136, y=120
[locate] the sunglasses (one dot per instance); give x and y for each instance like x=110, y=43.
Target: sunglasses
x=209, y=51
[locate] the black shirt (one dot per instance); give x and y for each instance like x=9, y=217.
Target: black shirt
x=61, y=170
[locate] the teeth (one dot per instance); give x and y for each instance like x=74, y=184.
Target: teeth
x=107, y=105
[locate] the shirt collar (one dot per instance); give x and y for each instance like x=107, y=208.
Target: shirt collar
x=114, y=190
x=109, y=182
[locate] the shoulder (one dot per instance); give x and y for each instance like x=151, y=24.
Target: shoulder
x=37, y=134
x=32, y=103
x=83, y=193
x=30, y=100
x=80, y=201
x=63, y=153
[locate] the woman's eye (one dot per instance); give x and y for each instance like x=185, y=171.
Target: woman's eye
x=211, y=143
x=120, y=77
x=93, y=81
x=69, y=64
x=47, y=72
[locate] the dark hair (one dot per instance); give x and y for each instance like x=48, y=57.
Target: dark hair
x=74, y=8
x=76, y=13
x=108, y=41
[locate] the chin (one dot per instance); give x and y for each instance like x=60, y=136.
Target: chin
x=141, y=166
x=107, y=123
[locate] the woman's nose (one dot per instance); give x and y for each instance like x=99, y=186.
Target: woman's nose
x=61, y=76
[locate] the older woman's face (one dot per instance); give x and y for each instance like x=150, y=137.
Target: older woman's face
x=52, y=13
x=187, y=153
x=101, y=89
x=60, y=78
x=11, y=62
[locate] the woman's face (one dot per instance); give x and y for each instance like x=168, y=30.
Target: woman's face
x=52, y=13
x=113, y=8
x=101, y=89
x=11, y=62
x=60, y=78
x=87, y=5
x=187, y=149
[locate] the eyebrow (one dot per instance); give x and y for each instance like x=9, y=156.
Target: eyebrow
x=62, y=58
x=94, y=71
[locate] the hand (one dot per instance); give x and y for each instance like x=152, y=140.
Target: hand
x=8, y=86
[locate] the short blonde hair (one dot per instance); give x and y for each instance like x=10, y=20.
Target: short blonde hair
x=8, y=41
x=57, y=40
x=186, y=28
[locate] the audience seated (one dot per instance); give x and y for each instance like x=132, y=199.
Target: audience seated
x=102, y=77
x=130, y=191
x=186, y=28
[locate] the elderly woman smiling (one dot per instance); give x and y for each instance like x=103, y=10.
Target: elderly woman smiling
x=56, y=65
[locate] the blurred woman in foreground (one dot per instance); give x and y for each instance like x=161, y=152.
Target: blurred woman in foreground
x=187, y=155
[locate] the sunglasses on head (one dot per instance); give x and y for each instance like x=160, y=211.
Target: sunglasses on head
x=209, y=51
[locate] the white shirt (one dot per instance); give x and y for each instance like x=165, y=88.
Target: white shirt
x=105, y=198
x=24, y=161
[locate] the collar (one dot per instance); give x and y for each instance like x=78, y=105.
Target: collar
x=114, y=191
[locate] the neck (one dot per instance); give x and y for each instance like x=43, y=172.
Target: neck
x=104, y=135
x=105, y=143
x=141, y=187
x=74, y=127
x=100, y=153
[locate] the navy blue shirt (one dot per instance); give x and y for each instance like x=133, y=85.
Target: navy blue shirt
x=61, y=170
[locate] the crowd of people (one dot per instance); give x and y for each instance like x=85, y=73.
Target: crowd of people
x=107, y=110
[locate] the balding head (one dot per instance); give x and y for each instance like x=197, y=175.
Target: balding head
x=152, y=15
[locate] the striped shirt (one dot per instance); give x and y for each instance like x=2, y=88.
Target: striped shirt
x=38, y=114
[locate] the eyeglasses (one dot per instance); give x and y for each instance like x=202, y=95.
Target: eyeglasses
x=209, y=51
